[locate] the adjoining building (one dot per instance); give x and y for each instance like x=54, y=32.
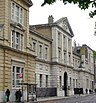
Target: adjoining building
x=85, y=68
x=71, y=68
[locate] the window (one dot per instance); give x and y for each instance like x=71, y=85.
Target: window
x=64, y=40
x=16, y=13
x=40, y=80
x=40, y=51
x=76, y=83
x=46, y=53
x=70, y=82
x=59, y=55
x=73, y=61
x=73, y=83
x=46, y=80
x=69, y=58
x=58, y=38
x=17, y=75
x=60, y=81
x=34, y=46
x=16, y=40
x=65, y=59
x=69, y=43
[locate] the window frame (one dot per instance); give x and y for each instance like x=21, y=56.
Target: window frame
x=16, y=14
x=17, y=42
x=40, y=80
x=16, y=76
x=40, y=51
x=46, y=53
x=46, y=80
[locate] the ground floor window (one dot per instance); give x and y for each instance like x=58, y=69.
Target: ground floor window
x=17, y=75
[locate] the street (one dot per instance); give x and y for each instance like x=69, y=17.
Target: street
x=77, y=99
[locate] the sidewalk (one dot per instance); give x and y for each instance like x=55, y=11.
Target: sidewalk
x=55, y=98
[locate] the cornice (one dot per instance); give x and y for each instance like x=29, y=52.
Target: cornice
x=16, y=51
x=29, y=2
x=56, y=63
x=43, y=61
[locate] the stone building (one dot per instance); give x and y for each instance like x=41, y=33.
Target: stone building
x=61, y=64
x=70, y=69
x=40, y=54
x=17, y=63
x=85, y=68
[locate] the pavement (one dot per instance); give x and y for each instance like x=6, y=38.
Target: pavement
x=55, y=98
x=52, y=98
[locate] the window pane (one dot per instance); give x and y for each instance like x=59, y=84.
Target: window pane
x=13, y=76
x=13, y=83
x=16, y=79
x=22, y=70
x=21, y=41
x=17, y=82
x=17, y=76
x=16, y=13
x=13, y=68
x=18, y=69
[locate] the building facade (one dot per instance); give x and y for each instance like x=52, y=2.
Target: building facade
x=40, y=54
x=70, y=68
x=85, y=67
x=15, y=56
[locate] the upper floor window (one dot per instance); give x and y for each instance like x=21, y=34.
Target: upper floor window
x=65, y=57
x=64, y=40
x=69, y=58
x=16, y=40
x=16, y=13
x=59, y=55
x=40, y=51
x=58, y=38
x=46, y=53
x=34, y=46
x=73, y=61
x=69, y=42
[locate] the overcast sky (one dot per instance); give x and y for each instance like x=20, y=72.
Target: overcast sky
x=80, y=22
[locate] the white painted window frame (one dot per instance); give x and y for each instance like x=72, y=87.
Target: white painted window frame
x=14, y=40
x=14, y=12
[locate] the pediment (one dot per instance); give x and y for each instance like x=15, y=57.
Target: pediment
x=64, y=24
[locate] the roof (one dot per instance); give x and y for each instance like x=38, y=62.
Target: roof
x=39, y=34
x=55, y=24
x=29, y=2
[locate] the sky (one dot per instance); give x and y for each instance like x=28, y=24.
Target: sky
x=82, y=25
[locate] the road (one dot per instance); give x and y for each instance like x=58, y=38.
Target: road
x=78, y=99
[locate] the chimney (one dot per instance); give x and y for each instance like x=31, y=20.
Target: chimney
x=50, y=19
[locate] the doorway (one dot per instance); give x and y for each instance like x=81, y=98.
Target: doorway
x=65, y=83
